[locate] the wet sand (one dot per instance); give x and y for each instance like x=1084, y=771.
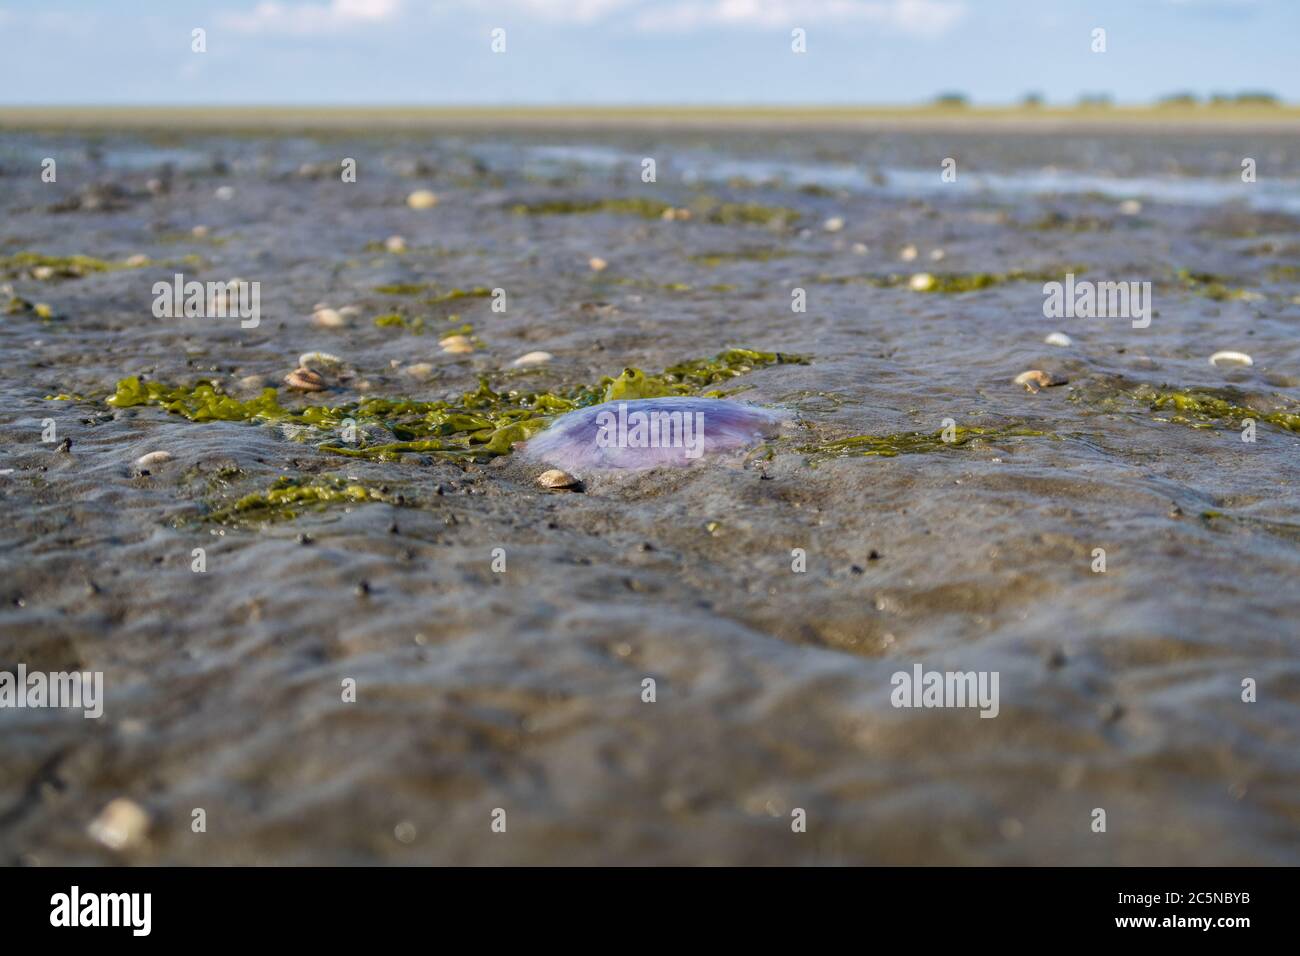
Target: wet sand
x=522, y=689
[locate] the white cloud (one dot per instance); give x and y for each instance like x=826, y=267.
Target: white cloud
x=270, y=16
x=919, y=17
x=574, y=11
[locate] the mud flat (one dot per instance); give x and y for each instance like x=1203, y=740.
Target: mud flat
x=395, y=631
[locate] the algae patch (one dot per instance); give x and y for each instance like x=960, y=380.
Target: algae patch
x=707, y=208
x=288, y=497
x=480, y=424
x=913, y=443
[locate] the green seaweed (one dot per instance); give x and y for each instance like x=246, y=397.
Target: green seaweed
x=480, y=424
x=404, y=288
x=1204, y=409
x=912, y=443
x=707, y=208
x=1214, y=287
x=288, y=497
x=711, y=260
x=64, y=267
x=952, y=283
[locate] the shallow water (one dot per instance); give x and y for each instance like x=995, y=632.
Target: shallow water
x=522, y=689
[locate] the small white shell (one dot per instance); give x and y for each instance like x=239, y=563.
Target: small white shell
x=395, y=244
x=422, y=199
x=532, y=358
x=153, y=458
x=908, y=253
x=456, y=344
x=558, y=479
x=328, y=319
x=1034, y=379
x=1059, y=338
x=1231, y=358
x=319, y=361
x=121, y=824
x=833, y=224
x=921, y=282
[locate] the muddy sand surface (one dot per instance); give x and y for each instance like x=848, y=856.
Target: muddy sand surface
x=514, y=678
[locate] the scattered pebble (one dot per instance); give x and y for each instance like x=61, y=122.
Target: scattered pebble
x=305, y=380
x=921, y=282
x=1058, y=338
x=833, y=224
x=533, y=358
x=395, y=244
x=422, y=199
x=419, y=371
x=937, y=255
x=199, y=232
x=597, y=264
x=1231, y=358
x=253, y=381
x=908, y=253
x=1130, y=207
x=860, y=248
x=120, y=825
x=681, y=215
x=225, y=193
x=43, y=273
x=137, y=260
x=328, y=319
x=558, y=480
x=153, y=458
x=1034, y=379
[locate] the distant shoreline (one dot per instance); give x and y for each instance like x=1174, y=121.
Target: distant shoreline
x=1117, y=119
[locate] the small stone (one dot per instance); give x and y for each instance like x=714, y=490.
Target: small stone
x=921, y=282
x=937, y=255
x=43, y=273
x=1130, y=207
x=1231, y=358
x=422, y=199
x=199, y=232
x=908, y=253
x=121, y=825
x=153, y=458
x=137, y=260
x=225, y=193
x=253, y=382
x=1058, y=338
x=833, y=224
x=557, y=479
x=532, y=358
x=597, y=264
x=859, y=248
x=395, y=244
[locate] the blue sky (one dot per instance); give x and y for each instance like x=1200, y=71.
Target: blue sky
x=639, y=51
